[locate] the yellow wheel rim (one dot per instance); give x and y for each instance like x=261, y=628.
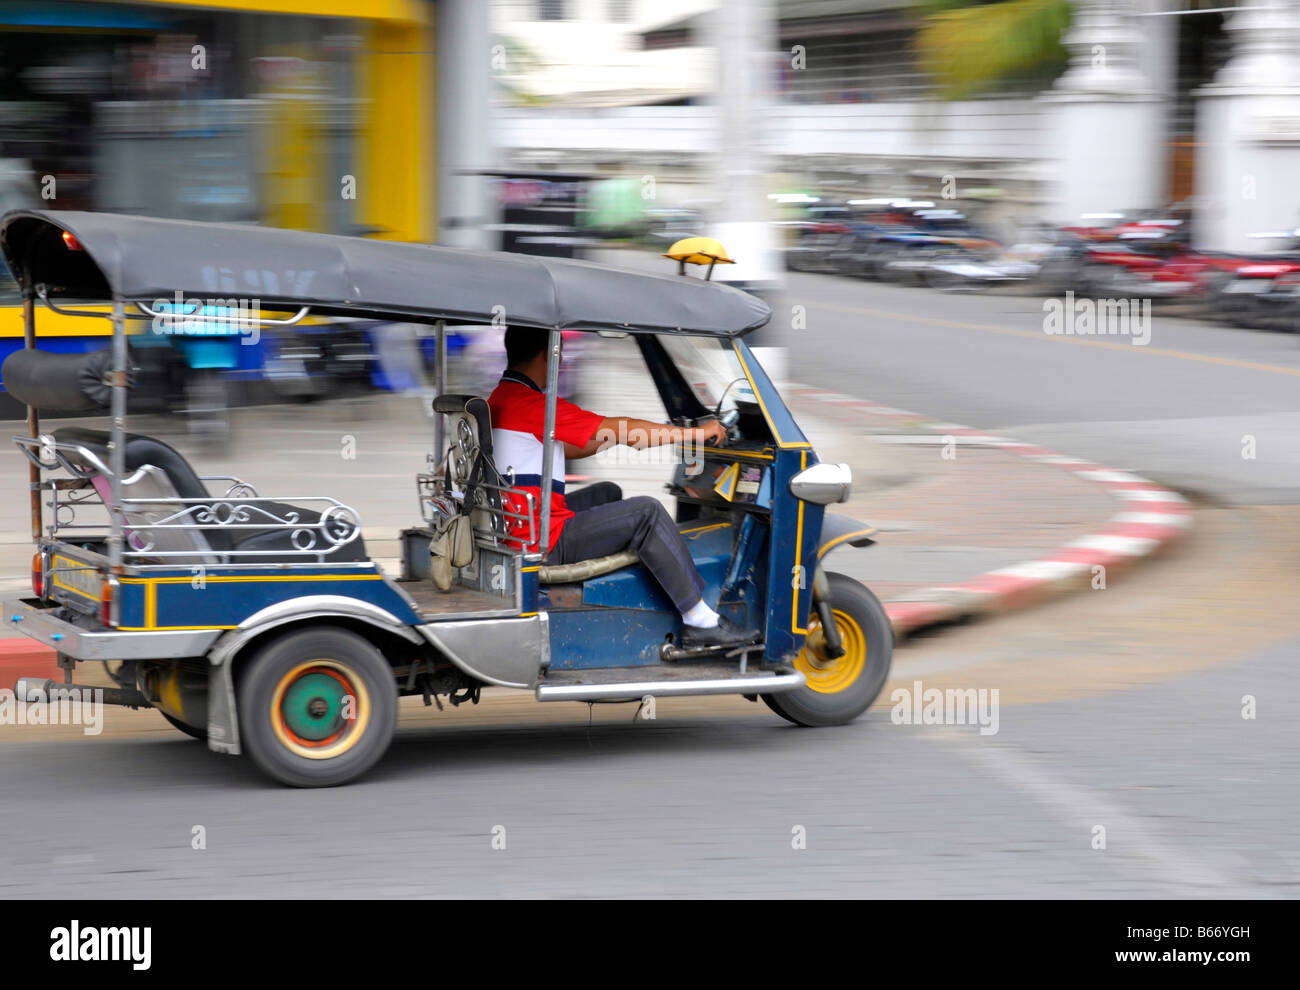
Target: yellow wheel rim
x=827, y=676
x=319, y=709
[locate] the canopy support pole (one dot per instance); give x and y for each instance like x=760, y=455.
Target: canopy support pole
x=439, y=387
x=117, y=437
x=33, y=415
x=548, y=443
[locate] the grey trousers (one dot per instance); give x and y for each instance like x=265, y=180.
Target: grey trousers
x=606, y=523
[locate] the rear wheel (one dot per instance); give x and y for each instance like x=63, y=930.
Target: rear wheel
x=193, y=731
x=841, y=689
x=317, y=707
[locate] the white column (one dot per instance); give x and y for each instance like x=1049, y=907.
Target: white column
x=744, y=33
x=1107, y=136
x=465, y=132
x=1248, y=127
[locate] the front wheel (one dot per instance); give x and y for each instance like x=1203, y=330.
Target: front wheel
x=317, y=707
x=840, y=690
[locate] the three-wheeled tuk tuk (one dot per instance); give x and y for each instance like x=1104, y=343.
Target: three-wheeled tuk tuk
x=262, y=625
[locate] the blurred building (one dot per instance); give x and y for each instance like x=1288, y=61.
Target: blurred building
x=1150, y=102
x=592, y=53
x=314, y=114
x=322, y=115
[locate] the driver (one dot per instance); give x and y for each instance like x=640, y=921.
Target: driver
x=597, y=520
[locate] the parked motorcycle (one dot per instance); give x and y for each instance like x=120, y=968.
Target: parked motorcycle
x=1262, y=291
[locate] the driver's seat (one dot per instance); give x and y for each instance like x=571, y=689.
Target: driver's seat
x=470, y=468
x=470, y=464
x=581, y=570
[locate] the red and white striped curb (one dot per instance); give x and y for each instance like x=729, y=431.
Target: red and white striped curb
x=23, y=657
x=1151, y=518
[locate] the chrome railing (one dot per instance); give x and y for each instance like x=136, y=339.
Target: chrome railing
x=165, y=529
x=432, y=487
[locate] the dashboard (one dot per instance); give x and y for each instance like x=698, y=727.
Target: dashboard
x=737, y=475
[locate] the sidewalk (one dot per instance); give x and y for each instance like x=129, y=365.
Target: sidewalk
x=981, y=523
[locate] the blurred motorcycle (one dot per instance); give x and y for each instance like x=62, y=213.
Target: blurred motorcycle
x=1262, y=291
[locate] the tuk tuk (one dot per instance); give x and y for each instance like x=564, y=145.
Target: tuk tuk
x=261, y=625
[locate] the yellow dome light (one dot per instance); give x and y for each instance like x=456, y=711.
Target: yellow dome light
x=698, y=251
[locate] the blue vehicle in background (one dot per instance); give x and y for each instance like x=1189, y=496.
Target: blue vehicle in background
x=262, y=625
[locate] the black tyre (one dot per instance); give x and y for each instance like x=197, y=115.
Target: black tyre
x=317, y=707
x=840, y=690
x=193, y=731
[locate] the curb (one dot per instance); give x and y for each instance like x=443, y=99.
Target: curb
x=1151, y=518
x=23, y=657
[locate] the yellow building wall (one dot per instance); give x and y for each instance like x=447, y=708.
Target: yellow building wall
x=396, y=153
x=396, y=187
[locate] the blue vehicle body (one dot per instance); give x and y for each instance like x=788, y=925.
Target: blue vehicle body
x=263, y=625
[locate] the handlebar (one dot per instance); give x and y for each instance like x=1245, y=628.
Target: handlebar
x=731, y=420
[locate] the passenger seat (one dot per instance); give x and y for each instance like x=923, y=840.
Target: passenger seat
x=144, y=451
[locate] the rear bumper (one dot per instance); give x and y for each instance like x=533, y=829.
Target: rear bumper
x=29, y=617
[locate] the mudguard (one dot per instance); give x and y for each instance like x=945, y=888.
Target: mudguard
x=839, y=530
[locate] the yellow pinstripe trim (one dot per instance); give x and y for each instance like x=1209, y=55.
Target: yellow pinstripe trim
x=771, y=424
x=706, y=529
x=151, y=594
x=233, y=579
x=524, y=615
x=530, y=570
x=68, y=564
x=169, y=628
x=729, y=453
x=840, y=539
x=798, y=556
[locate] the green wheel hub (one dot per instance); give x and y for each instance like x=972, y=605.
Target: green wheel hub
x=313, y=706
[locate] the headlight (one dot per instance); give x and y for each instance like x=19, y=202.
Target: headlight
x=822, y=484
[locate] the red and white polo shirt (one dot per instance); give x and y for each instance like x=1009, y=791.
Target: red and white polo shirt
x=518, y=409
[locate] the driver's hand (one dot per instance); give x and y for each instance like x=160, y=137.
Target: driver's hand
x=711, y=432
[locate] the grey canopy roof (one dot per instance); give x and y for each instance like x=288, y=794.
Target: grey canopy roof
x=146, y=259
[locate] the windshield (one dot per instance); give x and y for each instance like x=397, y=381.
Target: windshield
x=712, y=370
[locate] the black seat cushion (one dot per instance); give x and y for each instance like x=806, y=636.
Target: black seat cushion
x=282, y=539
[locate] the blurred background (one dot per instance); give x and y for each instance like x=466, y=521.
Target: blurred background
x=916, y=186
x=1141, y=150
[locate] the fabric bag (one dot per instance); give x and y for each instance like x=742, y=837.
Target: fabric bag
x=451, y=545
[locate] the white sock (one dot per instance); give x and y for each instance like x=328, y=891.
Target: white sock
x=700, y=616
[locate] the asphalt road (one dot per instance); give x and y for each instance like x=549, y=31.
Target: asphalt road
x=1120, y=709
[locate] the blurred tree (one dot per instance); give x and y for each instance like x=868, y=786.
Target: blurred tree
x=513, y=61
x=968, y=47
